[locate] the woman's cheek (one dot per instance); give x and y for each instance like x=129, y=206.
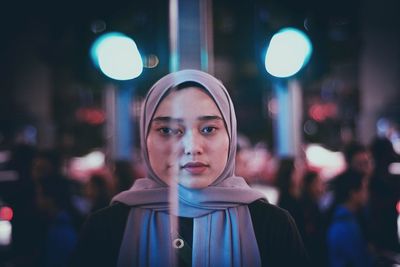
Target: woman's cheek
x=162, y=152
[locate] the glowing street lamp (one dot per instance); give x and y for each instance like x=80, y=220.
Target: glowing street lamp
x=289, y=50
x=117, y=56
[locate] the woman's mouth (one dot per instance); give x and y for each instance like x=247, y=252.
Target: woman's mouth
x=195, y=168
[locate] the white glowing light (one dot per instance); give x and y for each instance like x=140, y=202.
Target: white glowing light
x=5, y=233
x=117, y=56
x=288, y=51
x=398, y=219
x=330, y=163
x=394, y=168
x=396, y=144
x=95, y=159
x=83, y=167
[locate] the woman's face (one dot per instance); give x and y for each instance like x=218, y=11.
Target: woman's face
x=187, y=139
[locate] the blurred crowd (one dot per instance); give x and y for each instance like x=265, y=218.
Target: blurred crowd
x=50, y=203
x=349, y=218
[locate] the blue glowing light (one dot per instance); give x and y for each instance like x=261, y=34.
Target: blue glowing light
x=288, y=51
x=117, y=56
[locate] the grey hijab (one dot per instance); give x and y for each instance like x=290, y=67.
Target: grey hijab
x=223, y=234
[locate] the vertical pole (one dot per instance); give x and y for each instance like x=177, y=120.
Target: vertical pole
x=119, y=132
x=190, y=23
x=297, y=112
x=124, y=122
x=109, y=130
x=288, y=121
x=191, y=35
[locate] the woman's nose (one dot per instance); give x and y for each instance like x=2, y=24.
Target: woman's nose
x=192, y=143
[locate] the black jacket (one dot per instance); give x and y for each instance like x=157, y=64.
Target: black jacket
x=277, y=237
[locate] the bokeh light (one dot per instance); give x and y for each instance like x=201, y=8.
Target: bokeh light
x=117, y=56
x=288, y=51
x=6, y=213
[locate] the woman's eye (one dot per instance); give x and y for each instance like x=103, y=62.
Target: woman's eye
x=208, y=129
x=166, y=131
x=169, y=131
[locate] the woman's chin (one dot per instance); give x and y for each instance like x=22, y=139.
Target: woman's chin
x=194, y=182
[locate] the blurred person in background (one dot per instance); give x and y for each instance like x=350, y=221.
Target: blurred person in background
x=289, y=187
x=123, y=175
x=257, y=165
x=346, y=242
x=191, y=210
x=46, y=163
x=98, y=192
x=359, y=160
x=27, y=226
x=60, y=237
x=45, y=229
x=244, y=153
x=312, y=224
x=384, y=195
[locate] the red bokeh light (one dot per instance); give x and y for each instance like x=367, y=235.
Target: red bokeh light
x=92, y=116
x=6, y=213
x=322, y=111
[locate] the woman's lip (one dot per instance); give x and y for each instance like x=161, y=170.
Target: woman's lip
x=195, y=167
x=194, y=164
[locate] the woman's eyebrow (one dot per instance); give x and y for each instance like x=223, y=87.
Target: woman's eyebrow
x=166, y=119
x=209, y=117
x=179, y=120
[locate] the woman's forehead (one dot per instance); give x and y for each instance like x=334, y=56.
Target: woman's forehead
x=191, y=100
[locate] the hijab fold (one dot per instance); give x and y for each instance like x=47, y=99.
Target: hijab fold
x=223, y=233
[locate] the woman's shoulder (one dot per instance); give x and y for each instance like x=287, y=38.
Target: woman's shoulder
x=261, y=209
x=109, y=216
x=271, y=221
x=277, y=236
x=111, y=219
x=115, y=210
x=101, y=236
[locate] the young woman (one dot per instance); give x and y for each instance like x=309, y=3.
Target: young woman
x=191, y=210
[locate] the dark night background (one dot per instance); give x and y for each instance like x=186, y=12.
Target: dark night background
x=53, y=99
x=46, y=72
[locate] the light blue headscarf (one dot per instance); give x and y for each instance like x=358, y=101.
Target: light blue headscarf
x=223, y=233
